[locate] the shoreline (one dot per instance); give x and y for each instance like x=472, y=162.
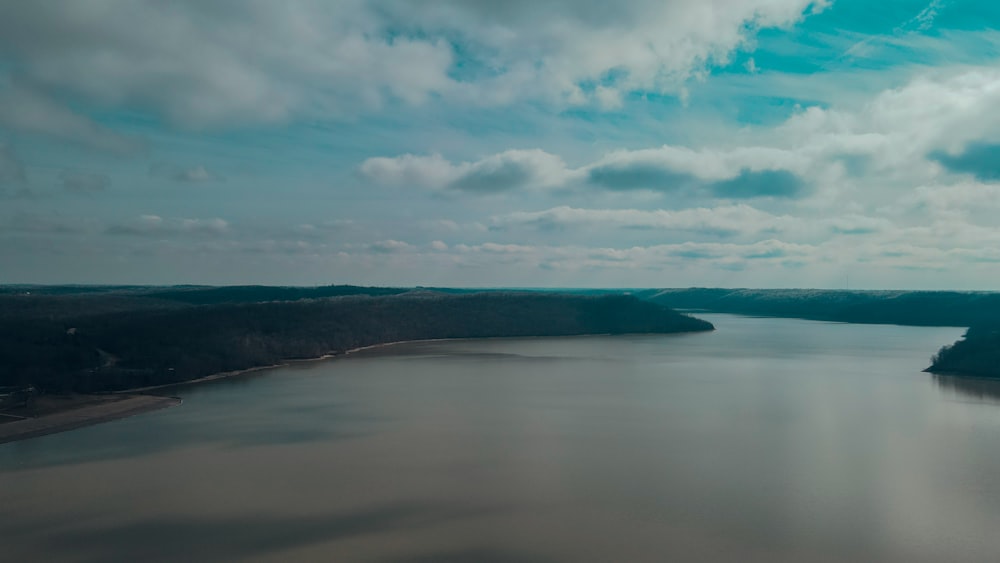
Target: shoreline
x=138, y=402
x=83, y=416
x=961, y=375
x=335, y=355
x=286, y=363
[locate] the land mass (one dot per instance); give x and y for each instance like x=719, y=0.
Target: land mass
x=976, y=355
x=901, y=307
x=94, y=339
x=99, y=341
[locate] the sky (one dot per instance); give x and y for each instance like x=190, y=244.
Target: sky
x=525, y=143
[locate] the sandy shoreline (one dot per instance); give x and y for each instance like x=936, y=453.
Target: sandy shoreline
x=131, y=403
x=330, y=356
x=334, y=355
x=83, y=416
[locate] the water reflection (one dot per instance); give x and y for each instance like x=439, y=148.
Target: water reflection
x=987, y=390
x=217, y=539
x=478, y=555
x=247, y=411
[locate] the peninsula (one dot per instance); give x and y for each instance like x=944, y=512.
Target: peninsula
x=89, y=341
x=977, y=354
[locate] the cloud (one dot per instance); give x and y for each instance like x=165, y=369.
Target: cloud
x=925, y=19
x=982, y=160
x=950, y=201
x=889, y=144
x=30, y=223
x=173, y=172
x=723, y=221
x=576, y=52
x=725, y=255
x=608, y=98
x=639, y=176
x=859, y=225
x=496, y=248
x=323, y=230
x=31, y=111
x=737, y=174
x=739, y=221
x=764, y=183
x=83, y=181
x=673, y=167
x=509, y=170
x=933, y=115
x=496, y=177
x=389, y=246
x=408, y=169
x=893, y=141
x=880, y=159
x=204, y=65
x=156, y=226
x=11, y=168
x=904, y=177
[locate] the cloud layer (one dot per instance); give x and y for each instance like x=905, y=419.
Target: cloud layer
x=189, y=175
x=740, y=174
x=11, y=169
x=546, y=142
x=84, y=181
x=213, y=62
x=509, y=170
x=982, y=160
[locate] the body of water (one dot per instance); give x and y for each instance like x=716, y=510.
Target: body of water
x=767, y=440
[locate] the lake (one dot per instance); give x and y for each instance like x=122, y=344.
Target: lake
x=766, y=440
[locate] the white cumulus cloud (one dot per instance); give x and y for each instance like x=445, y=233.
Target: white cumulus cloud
x=210, y=62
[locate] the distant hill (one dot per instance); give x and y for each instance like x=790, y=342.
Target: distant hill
x=32, y=317
x=128, y=338
x=920, y=308
x=977, y=354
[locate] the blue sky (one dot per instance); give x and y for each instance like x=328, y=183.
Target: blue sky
x=741, y=143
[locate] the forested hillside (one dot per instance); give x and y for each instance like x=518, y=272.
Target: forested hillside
x=976, y=354
x=922, y=308
x=115, y=340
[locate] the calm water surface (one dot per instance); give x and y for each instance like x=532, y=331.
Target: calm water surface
x=767, y=440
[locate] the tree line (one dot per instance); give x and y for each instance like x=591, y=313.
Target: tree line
x=117, y=343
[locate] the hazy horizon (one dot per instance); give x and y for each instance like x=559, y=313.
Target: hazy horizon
x=496, y=287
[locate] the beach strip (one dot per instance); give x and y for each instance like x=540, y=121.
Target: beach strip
x=83, y=416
